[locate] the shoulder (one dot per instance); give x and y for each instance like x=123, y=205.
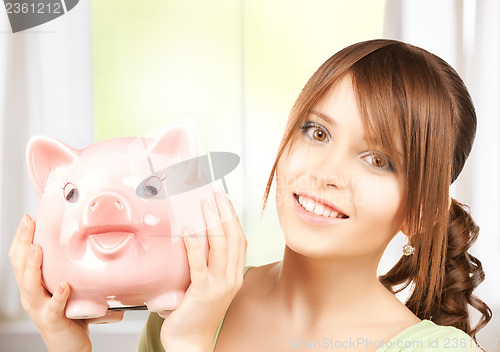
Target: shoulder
x=429, y=337
x=262, y=271
x=259, y=279
x=257, y=283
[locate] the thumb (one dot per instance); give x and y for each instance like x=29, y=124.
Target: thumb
x=165, y=313
x=57, y=303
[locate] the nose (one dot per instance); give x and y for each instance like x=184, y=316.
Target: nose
x=105, y=209
x=333, y=170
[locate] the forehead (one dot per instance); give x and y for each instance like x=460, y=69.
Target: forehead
x=338, y=107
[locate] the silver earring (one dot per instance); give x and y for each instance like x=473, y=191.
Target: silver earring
x=408, y=250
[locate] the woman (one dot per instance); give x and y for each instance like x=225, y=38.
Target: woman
x=372, y=145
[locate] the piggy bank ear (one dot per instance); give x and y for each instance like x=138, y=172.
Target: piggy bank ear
x=45, y=154
x=178, y=142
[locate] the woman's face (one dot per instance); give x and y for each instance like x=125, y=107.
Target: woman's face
x=335, y=197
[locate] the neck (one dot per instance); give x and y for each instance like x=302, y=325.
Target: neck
x=313, y=288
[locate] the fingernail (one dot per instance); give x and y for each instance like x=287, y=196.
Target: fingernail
x=211, y=205
x=223, y=195
x=24, y=224
x=189, y=231
x=32, y=252
x=61, y=288
x=164, y=313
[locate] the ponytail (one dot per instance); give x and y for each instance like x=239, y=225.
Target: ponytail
x=463, y=273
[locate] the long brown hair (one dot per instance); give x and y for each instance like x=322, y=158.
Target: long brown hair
x=415, y=106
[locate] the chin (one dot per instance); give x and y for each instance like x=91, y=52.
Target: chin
x=312, y=248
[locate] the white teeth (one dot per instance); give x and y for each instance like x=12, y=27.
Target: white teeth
x=310, y=205
x=334, y=214
x=318, y=209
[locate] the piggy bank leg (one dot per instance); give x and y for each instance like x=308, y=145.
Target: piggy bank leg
x=165, y=301
x=79, y=308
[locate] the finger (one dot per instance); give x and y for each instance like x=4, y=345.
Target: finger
x=235, y=253
x=164, y=313
x=15, y=239
x=57, y=304
x=242, y=257
x=243, y=246
x=110, y=318
x=195, y=256
x=216, y=238
x=234, y=235
x=21, y=246
x=34, y=293
x=224, y=207
x=242, y=243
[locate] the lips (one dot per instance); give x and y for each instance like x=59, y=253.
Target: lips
x=319, y=208
x=317, y=211
x=110, y=242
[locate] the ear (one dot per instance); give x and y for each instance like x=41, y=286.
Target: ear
x=403, y=228
x=178, y=142
x=44, y=155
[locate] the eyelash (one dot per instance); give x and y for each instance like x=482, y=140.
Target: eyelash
x=65, y=183
x=389, y=164
x=308, y=125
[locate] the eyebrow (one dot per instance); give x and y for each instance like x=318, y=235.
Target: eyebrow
x=324, y=117
x=330, y=120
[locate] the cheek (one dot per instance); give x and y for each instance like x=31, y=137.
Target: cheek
x=380, y=202
x=293, y=168
x=287, y=177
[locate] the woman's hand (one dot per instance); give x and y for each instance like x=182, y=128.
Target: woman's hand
x=191, y=327
x=47, y=312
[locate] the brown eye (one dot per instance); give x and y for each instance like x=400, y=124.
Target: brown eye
x=319, y=135
x=70, y=192
x=379, y=161
x=315, y=132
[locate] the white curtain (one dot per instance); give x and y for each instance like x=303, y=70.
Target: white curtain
x=466, y=33
x=45, y=88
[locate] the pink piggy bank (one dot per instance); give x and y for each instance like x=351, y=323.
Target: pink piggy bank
x=107, y=224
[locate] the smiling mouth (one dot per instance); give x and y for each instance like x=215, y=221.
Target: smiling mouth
x=110, y=243
x=318, y=208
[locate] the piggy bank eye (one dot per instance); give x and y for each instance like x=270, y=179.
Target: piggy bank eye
x=70, y=192
x=151, y=187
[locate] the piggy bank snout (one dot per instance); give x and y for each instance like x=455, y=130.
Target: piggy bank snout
x=107, y=208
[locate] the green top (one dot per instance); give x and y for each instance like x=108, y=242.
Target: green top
x=423, y=336
x=427, y=336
